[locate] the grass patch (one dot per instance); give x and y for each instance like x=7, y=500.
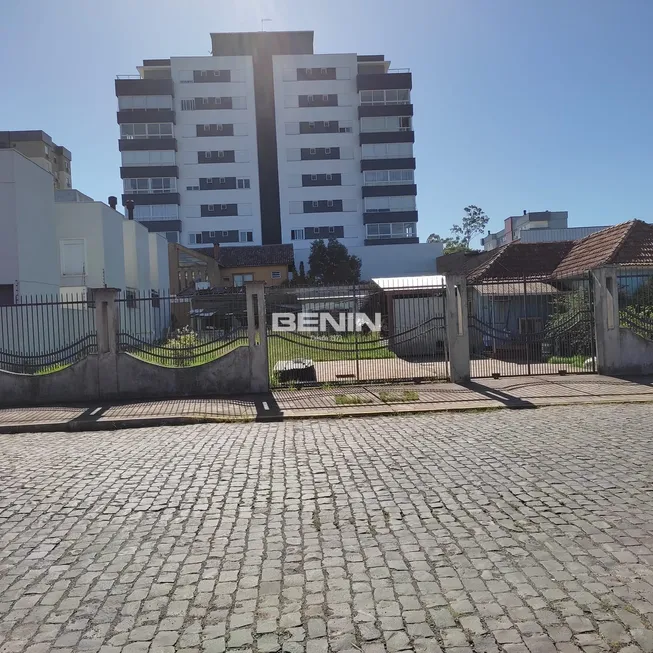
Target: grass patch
x=351, y=400
x=574, y=361
x=389, y=397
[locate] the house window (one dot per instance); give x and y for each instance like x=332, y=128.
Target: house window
x=240, y=279
x=528, y=325
x=243, y=182
x=246, y=237
x=130, y=297
x=297, y=234
x=276, y=274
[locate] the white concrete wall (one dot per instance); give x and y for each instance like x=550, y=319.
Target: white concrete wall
x=189, y=144
x=28, y=249
x=349, y=168
x=159, y=266
x=136, y=244
x=387, y=260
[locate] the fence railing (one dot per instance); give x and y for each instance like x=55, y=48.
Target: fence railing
x=182, y=330
x=42, y=334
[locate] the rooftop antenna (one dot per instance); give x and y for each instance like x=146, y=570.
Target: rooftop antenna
x=264, y=20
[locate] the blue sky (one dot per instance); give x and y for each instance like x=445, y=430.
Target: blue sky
x=519, y=104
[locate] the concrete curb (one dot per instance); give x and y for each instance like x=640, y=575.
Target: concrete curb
x=398, y=409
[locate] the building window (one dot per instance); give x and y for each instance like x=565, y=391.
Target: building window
x=225, y=234
x=240, y=279
x=220, y=154
x=210, y=207
x=327, y=150
x=223, y=207
x=156, y=300
x=243, y=182
x=192, y=187
x=246, y=237
x=329, y=203
x=146, y=130
x=315, y=204
x=220, y=127
x=195, y=238
x=383, y=177
x=391, y=230
x=313, y=177
x=389, y=96
x=73, y=257
x=332, y=230
x=311, y=125
x=313, y=150
x=329, y=177
x=211, y=234
x=207, y=128
x=146, y=186
x=316, y=230
x=276, y=274
x=209, y=180
x=188, y=105
x=223, y=180
x=297, y=234
x=529, y=325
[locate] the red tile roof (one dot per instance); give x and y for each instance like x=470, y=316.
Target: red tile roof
x=628, y=243
x=522, y=260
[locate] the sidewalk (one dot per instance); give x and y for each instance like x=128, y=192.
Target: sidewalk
x=344, y=401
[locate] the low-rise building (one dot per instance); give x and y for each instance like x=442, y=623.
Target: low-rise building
x=40, y=148
x=268, y=263
x=536, y=227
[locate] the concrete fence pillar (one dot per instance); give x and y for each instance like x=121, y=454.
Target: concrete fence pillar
x=107, y=325
x=606, y=321
x=257, y=336
x=457, y=328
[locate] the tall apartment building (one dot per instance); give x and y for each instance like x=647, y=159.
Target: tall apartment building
x=265, y=142
x=40, y=148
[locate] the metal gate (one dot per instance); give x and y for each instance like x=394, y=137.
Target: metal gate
x=357, y=333
x=531, y=326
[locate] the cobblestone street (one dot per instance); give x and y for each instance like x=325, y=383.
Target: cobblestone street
x=508, y=530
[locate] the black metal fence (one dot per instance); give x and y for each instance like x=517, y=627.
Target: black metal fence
x=182, y=330
x=351, y=333
x=531, y=326
x=43, y=334
x=635, y=287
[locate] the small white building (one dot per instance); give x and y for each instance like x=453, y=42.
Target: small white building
x=65, y=241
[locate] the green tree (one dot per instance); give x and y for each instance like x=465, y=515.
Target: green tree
x=332, y=263
x=473, y=222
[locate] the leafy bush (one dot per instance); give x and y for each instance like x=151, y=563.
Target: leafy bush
x=182, y=346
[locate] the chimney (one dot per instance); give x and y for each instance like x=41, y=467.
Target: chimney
x=129, y=204
x=524, y=211
x=113, y=202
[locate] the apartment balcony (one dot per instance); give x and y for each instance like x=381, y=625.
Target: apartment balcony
x=378, y=217
x=390, y=190
x=135, y=85
x=146, y=115
x=399, y=79
x=134, y=172
x=402, y=136
x=407, y=163
x=133, y=144
x=380, y=110
x=151, y=198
